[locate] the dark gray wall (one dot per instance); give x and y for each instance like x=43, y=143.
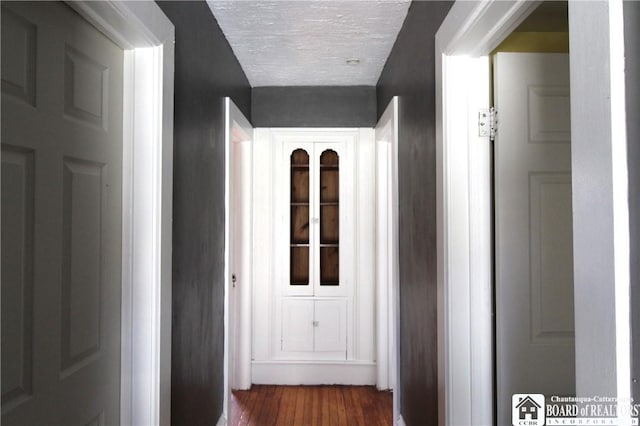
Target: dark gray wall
x=303, y=106
x=632, y=57
x=205, y=71
x=410, y=74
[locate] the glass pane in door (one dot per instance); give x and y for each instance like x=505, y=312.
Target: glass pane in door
x=299, y=226
x=329, y=218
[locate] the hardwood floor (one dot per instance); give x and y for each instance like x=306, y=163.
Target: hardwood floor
x=311, y=406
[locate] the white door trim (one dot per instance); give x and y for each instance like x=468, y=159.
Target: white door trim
x=147, y=37
x=237, y=325
x=600, y=199
x=387, y=279
x=463, y=200
x=471, y=30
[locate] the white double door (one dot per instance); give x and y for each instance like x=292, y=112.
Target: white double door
x=61, y=218
x=535, y=350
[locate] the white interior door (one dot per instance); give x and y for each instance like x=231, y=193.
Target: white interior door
x=61, y=218
x=534, y=267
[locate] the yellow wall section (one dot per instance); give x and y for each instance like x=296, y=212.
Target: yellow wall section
x=542, y=42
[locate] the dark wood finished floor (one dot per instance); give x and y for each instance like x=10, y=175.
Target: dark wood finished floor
x=311, y=406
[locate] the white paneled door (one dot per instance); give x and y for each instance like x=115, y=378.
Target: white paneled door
x=534, y=244
x=61, y=218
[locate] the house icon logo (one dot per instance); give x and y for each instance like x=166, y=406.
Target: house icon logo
x=527, y=409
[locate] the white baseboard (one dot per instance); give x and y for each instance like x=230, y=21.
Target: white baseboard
x=222, y=421
x=313, y=373
x=401, y=421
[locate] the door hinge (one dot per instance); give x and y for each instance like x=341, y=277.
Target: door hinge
x=488, y=123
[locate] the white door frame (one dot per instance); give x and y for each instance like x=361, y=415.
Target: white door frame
x=601, y=234
x=387, y=279
x=237, y=322
x=147, y=37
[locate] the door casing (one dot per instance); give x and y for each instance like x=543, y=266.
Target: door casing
x=237, y=258
x=387, y=271
x=601, y=228
x=147, y=37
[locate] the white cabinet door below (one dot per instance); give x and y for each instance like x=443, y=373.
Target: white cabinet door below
x=330, y=326
x=297, y=325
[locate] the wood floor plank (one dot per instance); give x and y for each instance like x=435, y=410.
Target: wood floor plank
x=267, y=409
x=325, y=416
x=333, y=405
x=316, y=417
x=308, y=405
x=385, y=407
x=357, y=402
x=236, y=411
x=341, y=412
x=266, y=405
x=300, y=392
x=352, y=418
x=286, y=413
x=255, y=417
x=246, y=405
x=275, y=404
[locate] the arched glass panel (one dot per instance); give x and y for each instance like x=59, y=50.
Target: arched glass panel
x=329, y=219
x=299, y=243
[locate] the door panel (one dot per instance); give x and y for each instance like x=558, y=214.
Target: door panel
x=17, y=251
x=83, y=205
x=330, y=326
x=551, y=263
x=297, y=325
x=18, y=57
x=61, y=221
x=534, y=268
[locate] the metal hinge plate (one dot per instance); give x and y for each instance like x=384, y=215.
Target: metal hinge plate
x=488, y=123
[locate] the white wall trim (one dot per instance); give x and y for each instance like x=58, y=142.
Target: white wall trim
x=314, y=373
x=467, y=291
x=476, y=28
x=463, y=199
x=147, y=37
x=601, y=252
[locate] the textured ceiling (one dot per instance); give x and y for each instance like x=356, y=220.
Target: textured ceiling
x=307, y=42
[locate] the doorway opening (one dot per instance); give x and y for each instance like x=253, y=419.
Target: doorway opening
x=532, y=205
x=598, y=160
